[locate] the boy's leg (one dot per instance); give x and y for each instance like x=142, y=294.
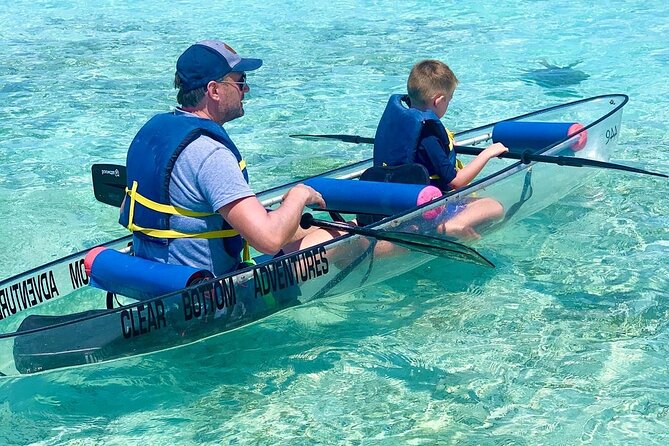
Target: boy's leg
x=476, y=212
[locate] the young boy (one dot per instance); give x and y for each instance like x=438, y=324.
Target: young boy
x=410, y=131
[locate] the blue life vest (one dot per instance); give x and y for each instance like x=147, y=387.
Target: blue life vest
x=399, y=133
x=151, y=157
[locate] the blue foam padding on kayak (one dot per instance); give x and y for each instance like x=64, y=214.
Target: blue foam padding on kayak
x=369, y=197
x=527, y=135
x=140, y=278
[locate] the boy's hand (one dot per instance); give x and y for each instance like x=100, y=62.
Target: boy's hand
x=495, y=150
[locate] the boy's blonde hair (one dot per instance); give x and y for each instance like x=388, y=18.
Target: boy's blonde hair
x=429, y=78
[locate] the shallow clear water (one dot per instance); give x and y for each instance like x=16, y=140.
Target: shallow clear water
x=564, y=343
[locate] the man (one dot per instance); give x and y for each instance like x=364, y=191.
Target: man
x=189, y=201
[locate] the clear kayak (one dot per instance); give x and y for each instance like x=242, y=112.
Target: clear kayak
x=51, y=319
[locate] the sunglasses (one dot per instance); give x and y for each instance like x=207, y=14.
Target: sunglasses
x=241, y=83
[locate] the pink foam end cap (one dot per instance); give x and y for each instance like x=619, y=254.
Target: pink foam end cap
x=90, y=257
x=428, y=194
x=582, y=139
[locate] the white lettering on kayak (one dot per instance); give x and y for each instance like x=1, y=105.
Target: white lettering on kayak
x=27, y=293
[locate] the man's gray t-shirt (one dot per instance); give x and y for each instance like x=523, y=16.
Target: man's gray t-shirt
x=206, y=177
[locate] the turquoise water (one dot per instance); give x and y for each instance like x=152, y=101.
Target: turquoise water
x=564, y=343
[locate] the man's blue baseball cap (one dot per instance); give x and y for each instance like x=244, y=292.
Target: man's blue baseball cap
x=210, y=60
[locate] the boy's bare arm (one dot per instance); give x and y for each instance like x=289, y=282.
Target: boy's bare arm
x=469, y=172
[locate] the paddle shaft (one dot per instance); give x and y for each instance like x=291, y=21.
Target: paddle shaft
x=571, y=161
x=110, y=189
x=356, y=139
x=525, y=157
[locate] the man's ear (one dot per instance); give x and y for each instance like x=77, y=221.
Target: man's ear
x=213, y=89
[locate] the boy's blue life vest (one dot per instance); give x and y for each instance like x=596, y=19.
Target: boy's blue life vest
x=151, y=157
x=399, y=133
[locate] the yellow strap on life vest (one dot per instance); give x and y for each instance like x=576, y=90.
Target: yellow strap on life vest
x=170, y=233
x=246, y=252
x=168, y=209
x=159, y=207
x=458, y=164
x=132, y=203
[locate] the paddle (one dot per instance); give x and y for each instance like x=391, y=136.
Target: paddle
x=525, y=157
x=109, y=182
x=571, y=161
x=355, y=139
x=417, y=242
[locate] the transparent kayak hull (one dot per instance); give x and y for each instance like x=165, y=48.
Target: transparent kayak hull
x=51, y=320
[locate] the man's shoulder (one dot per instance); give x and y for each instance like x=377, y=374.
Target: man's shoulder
x=205, y=146
x=201, y=152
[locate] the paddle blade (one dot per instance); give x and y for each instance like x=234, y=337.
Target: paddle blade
x=109, y=181
x=434, y=246
x=585, y=162
x=437, y=247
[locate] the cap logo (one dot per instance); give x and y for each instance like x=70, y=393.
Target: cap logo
x=229, y=49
